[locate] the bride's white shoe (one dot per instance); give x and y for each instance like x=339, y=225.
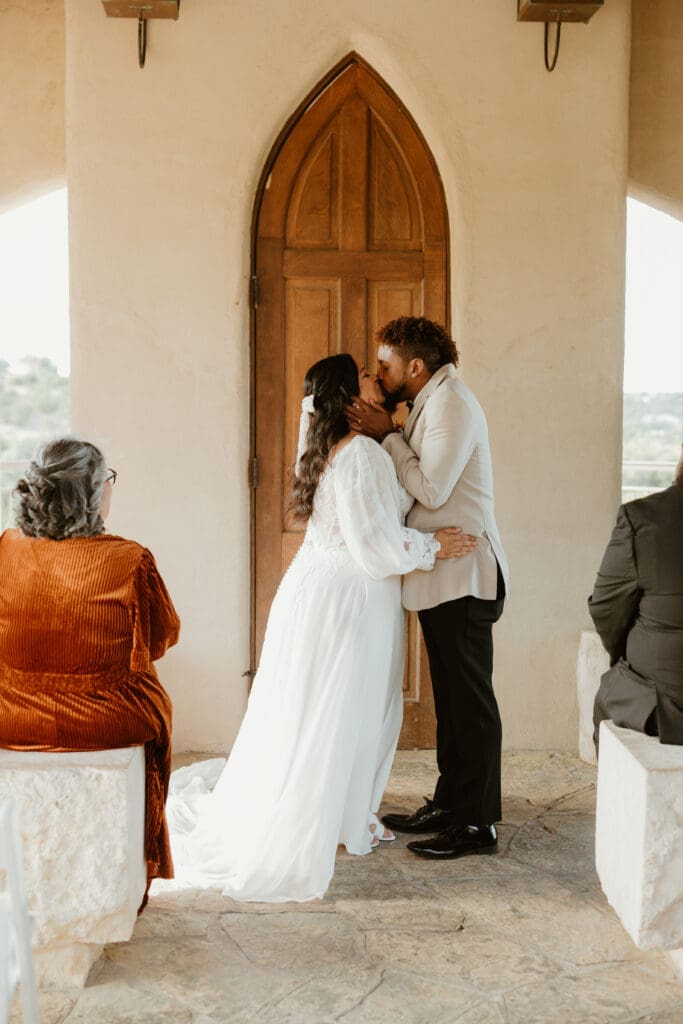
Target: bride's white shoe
x=379, y=833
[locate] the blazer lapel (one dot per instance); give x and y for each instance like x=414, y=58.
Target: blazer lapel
x=422, y=396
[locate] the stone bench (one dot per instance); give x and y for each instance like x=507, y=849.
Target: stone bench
x=82, y=823
x=592, y=663
x=639, y=836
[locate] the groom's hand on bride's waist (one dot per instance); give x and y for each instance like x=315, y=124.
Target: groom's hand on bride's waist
x=369, y=419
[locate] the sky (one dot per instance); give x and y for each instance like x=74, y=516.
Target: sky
x=34, y=282
x=654, y=301
x=34, y=314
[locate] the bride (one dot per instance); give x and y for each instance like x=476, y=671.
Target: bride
x=314, y=751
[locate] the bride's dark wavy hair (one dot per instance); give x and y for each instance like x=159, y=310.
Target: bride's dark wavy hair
x=332, y=382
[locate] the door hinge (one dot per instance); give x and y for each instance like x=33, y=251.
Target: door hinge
x=255, y=292
x=253, y=471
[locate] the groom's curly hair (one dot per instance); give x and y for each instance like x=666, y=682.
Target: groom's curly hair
x=333, y=382
x=416, y=337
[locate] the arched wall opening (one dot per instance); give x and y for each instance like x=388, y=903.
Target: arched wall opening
x=34, y=327
x=653, y=354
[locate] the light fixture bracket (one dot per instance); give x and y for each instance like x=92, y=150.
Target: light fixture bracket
x=142, y=10
x=551, y=10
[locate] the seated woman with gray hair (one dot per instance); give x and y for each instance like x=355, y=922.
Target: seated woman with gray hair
x=83, y=616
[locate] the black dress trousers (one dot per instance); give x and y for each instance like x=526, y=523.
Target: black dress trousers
x=459, y=639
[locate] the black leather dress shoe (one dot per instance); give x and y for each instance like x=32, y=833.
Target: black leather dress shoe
x=457, y=842
x=428, y=818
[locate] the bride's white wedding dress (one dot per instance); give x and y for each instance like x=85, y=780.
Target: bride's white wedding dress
x=314, y=752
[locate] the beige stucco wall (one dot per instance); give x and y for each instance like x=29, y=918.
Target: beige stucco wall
x=163, y=164
x=32, y=158
x=655, y=122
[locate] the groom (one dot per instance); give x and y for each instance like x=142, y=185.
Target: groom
x=443, y=460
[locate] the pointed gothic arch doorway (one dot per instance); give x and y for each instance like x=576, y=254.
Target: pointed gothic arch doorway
x=350, y=230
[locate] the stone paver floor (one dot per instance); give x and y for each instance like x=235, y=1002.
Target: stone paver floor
x=525, y=937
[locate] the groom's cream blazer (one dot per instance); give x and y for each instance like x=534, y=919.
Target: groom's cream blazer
x=443, y=460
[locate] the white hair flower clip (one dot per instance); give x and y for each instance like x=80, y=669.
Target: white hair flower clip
x=307, y=405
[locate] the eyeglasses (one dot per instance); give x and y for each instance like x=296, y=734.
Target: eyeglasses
x=111, y=479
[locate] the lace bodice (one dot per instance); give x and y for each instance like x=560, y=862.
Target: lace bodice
x=358, y=508
x=405, y=500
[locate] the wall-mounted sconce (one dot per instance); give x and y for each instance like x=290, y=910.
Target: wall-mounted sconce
x=556, y=13
x=142, y=10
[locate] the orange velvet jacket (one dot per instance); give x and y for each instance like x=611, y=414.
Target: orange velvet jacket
x=81, y=621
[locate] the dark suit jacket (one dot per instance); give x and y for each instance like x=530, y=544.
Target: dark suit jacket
x=637, y=608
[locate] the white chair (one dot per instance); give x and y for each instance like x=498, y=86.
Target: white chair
x=16, y=957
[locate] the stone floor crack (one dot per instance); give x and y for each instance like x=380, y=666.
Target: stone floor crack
x=238, y=947
x=518, y=828
x=504, y=1009
x=272, y=1004
x=471, y=1007
x=505, y=852
x=589, y=788
x=63, y=1017
x=366, y=995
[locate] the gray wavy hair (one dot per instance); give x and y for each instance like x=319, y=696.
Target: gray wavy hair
x=61, y=492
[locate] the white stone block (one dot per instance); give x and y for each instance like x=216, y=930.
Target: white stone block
x=82, y=821
x=593, y=662
x=639, y=834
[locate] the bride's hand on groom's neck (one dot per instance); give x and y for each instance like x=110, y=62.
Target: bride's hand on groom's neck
x=369, y=418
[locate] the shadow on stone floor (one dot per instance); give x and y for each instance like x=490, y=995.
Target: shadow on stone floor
x=524, y=937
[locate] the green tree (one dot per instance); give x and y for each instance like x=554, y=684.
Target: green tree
x=653, y=432
x=34, y=407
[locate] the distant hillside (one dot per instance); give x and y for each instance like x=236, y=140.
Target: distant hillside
x=653, y=432
x=34, y=407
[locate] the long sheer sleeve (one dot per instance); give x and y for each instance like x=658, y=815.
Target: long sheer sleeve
x=366, y=492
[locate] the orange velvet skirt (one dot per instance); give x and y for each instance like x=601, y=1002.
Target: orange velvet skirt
x=97, y=712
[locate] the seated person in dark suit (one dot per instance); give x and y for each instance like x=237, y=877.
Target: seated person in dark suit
x=637, y=608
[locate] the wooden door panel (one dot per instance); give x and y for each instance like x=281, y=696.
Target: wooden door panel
x=314, y=216
x=378, y=266
x=269, y=421
x=419, y=722
x=285, y=162
x=386, y=301
x=394, y=215
x=354, y=176
x=354, y=333
x=434, y=282
x=350, y=232
x=386, y=106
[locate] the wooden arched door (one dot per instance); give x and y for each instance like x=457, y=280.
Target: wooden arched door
x=350, y=231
